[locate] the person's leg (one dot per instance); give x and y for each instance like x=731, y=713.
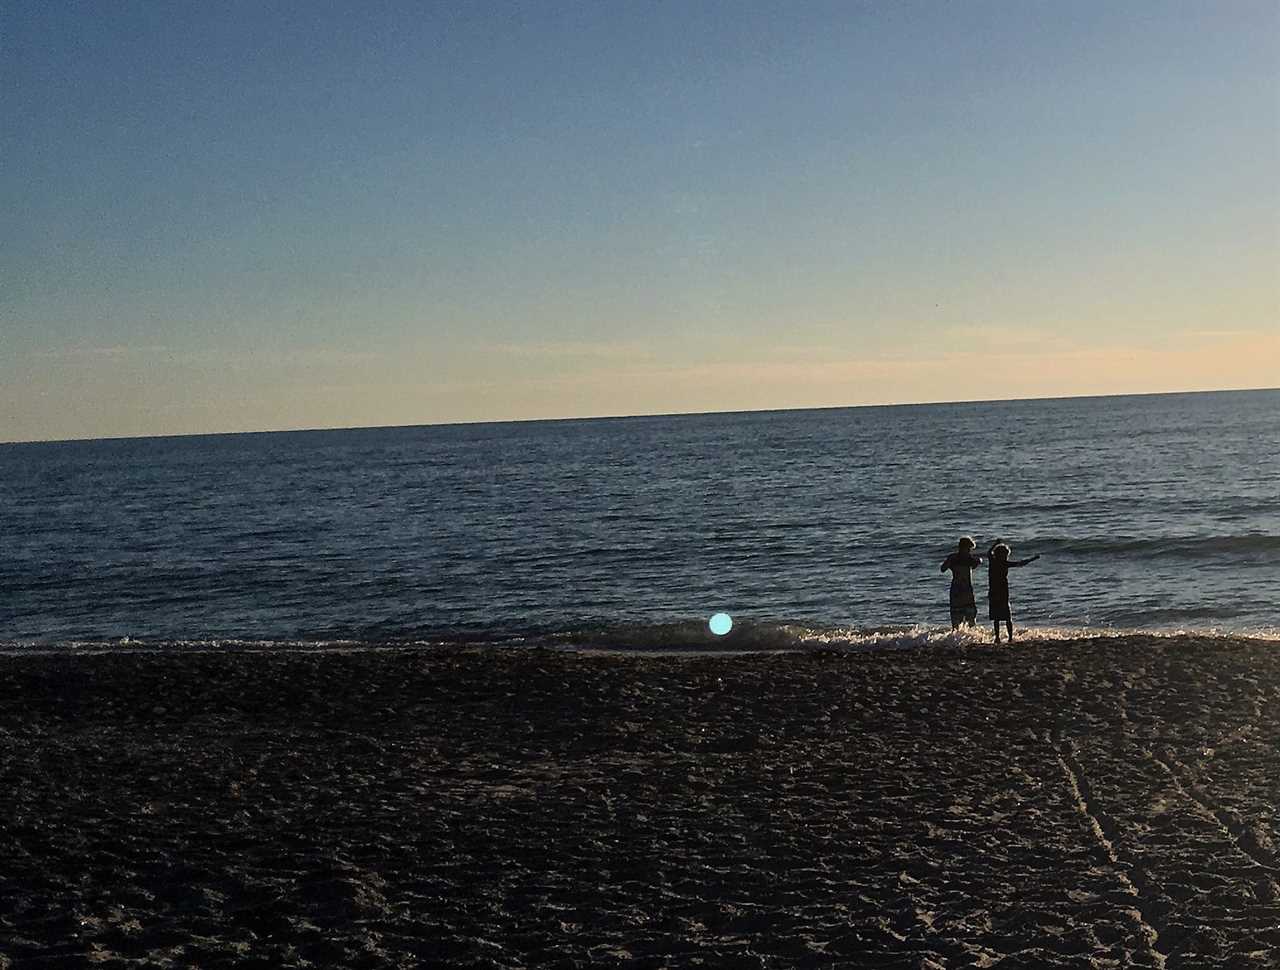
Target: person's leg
x=1009, y=626
x=996, y=630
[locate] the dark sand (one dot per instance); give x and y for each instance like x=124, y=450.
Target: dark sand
x=1085, y=804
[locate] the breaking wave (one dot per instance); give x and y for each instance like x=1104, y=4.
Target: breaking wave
x=1172, y=547
x=677, y=637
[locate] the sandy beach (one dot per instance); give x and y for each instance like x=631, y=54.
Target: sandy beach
x=1092, y=803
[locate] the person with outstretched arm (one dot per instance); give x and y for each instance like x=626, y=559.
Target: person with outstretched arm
x=998, y=566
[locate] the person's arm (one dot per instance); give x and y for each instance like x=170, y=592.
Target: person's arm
x=946, y=564
x=1023, y=562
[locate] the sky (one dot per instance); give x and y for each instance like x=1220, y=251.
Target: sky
x=256, y=215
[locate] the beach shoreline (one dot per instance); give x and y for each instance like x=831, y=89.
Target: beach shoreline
x=1086, y=802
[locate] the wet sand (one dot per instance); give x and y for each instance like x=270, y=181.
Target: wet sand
x=1107, y=803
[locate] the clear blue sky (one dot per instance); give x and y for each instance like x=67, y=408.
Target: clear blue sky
x=236, y=216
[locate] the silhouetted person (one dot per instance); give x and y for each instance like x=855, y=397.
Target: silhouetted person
x=998, y=566
x=962, y=563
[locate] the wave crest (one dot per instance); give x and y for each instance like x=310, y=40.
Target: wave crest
x=691, y=637
x=1174, y=547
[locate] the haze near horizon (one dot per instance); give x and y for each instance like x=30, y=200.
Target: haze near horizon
x=245, y=217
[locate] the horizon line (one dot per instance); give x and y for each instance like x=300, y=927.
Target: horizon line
x=624, y=417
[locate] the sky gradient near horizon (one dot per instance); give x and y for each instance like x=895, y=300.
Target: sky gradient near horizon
x=249, y=216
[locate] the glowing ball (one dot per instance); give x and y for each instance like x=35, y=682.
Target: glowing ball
x=721, y=624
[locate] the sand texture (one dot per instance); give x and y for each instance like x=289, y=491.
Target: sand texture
x=1110, y=803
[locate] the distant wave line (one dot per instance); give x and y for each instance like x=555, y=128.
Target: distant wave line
x=1186, y=547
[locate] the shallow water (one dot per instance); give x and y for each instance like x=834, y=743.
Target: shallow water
x=1151, y=513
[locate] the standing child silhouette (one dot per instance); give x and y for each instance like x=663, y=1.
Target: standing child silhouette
x=998, y=566
x=962, y=563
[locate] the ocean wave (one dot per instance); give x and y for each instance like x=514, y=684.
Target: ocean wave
x=1137, y=547
x=749, y=637
x=684, y=637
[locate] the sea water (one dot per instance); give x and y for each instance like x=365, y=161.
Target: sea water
x=1150, y=513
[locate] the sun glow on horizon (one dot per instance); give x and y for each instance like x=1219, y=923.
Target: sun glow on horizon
x=583, y=210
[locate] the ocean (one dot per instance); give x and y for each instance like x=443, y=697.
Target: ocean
x=1153, y=513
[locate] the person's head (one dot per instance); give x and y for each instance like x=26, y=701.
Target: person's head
x=966, y=544
x=1000, y=551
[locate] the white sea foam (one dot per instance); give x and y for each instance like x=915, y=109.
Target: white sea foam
x=689, y=637
x=920, y=636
